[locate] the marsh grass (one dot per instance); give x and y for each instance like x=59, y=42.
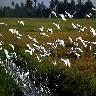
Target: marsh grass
x=80, y=79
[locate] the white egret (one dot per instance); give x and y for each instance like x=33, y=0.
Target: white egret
x=94, y=9
x=44, y=34
x=21, y=22
x=41, y=29
x=54, y=13
x=12, y=46
x=63, y=17
x=57, y=25
x=50, y=30
x=74, y=26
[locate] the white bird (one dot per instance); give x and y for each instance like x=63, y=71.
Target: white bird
x=66, y=62
x=69, y=15
x=82, y=29
x=94, y=43
x=31, y=53
x=1, y=43
x=94, y=9
x=70, y=39
x=26, y=74
x=1, y=35
x=30, y=37
x=61, y=42
x=63, y=17
x=57, y=25
x=44, y=34
x=29, y=46
x=79, y=49
x=88, y=15
x=54, y=13
x=82, y=41
x=2, y=23
x=6, y=53
x=79, y=26
x=38, y=58
x=50, y=30
x=74, y=26
x=41, y=29
x=34, y=39
x=12, y=46
x=77, y=55
x=21, y=22
x=93, y=31
x=54, y=63
x=18, y=37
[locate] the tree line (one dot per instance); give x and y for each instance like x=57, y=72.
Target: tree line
x=34, y=9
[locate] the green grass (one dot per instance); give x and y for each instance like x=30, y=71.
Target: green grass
x=7, y=84
x=80, y=79
x=32, y=25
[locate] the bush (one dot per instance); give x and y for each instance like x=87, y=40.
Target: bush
x=8, y=86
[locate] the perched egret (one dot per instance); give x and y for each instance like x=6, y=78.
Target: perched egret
x=57, y=25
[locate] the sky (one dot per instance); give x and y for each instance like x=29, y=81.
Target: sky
x=46, y=2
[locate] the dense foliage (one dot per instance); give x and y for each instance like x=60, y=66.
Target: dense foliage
x=32, y=9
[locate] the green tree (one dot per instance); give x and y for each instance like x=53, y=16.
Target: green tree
x=35, y=1
x=29, y=3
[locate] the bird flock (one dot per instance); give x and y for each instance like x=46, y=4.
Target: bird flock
x=40, y=51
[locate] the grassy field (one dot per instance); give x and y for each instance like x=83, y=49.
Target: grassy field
x=81, y=74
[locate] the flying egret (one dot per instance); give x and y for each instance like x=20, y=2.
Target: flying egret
x=88, y=15
x=63, y=17
x=54, y=13
x=94, y=9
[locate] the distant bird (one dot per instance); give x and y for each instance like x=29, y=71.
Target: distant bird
x=77, y=55
x=6, y=53
x=57, y=25
x=69, y=15
x=12, y=46
x=79, y=26
x=70, y=39
x=44, y=34
x=82, y=29
x=88, y=15
x=82, y=41
x=94, y=43
x=30, y=37
x=21, y=22
x=94, y=9
x=41, y=29
x=50, y=30
x=1, y=35
x=74, y=26
x=60, y=42
x=54, y=13
x=3, y=24
x=63, y=17
x=54, y=63
x=93, y=31
x=66, y=62
x=18, y=38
